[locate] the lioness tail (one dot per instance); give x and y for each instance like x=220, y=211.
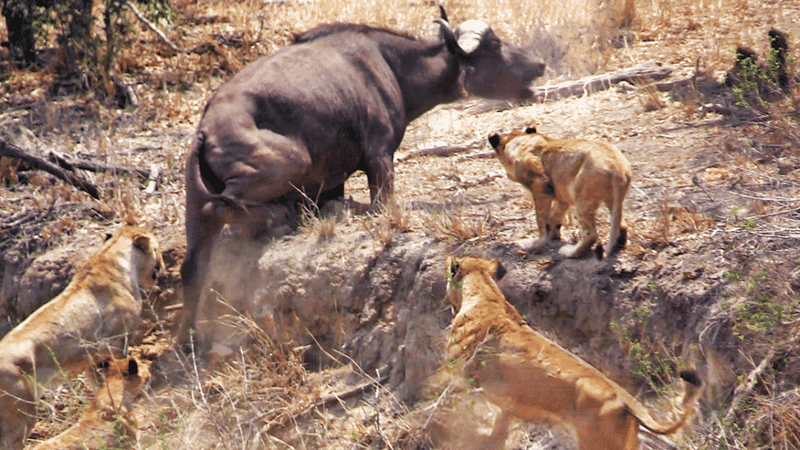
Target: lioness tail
x=694, y=387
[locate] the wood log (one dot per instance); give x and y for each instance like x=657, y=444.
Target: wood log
x=11, y=150
x=444, y=150
x=651, y=70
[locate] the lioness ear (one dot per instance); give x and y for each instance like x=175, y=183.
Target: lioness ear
x=133, y=367
x=142, y=242
x=500, y=271
x=530, y=130
x=494, y=140
x=454, y=266
x=108, y=236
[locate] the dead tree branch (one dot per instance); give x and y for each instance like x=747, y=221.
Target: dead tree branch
x=283, y=417
x=651, y=70
x=151, y=25
x=66, y=164
x=11, y=150
x=445, y=150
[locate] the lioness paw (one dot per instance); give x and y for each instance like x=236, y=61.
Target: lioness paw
x=569, y=251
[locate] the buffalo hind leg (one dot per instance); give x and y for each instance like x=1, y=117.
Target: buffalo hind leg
x=201, y=235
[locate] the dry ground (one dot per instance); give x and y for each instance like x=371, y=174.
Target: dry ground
x=710, y=275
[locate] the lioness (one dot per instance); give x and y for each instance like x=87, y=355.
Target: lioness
x=108, y=420
x=564, y=172
x=92, y=317
x=533, y=378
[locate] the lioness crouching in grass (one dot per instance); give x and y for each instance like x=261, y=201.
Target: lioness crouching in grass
x=108, y=421
x=90, y=319
x=533, y=378
x=564, y=172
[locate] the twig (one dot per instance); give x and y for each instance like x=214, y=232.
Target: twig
x=435, y=406
x=151, y=25
x=696, y=182
x=744, y=389
x=152, y=179
x=778, y=213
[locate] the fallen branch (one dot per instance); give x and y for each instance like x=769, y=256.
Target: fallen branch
x=66, y=164
x=445, y=150
x=651, y=70
x=282, y=417
x=11, y=150
x=151, y=25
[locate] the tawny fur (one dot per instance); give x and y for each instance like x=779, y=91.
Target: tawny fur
x=532, y=378
x=91, y=318
x=108, y=421
x=564, y=172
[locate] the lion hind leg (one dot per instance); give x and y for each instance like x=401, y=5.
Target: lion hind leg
x=556, y=219
x=618, y=234
x=497, y=439
x=586, y=220
x=612, y=430
x=544, y=204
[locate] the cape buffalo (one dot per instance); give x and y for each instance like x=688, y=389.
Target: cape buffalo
x=301, y=120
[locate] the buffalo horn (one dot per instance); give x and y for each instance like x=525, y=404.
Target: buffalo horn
x=471, y=33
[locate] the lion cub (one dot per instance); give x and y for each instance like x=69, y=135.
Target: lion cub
x=108, y=421
x=92, y=318
x=532, y=378
x=564, y=172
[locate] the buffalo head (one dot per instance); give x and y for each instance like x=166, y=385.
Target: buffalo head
x=492, y=68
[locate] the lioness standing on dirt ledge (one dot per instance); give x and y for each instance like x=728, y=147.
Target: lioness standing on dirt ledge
x=564, y=172
x=532, y=378
x=92, y=317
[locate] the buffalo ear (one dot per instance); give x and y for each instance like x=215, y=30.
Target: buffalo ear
x=530, y=130
x=494, y=140
x=450, y=39
x=500, y=271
